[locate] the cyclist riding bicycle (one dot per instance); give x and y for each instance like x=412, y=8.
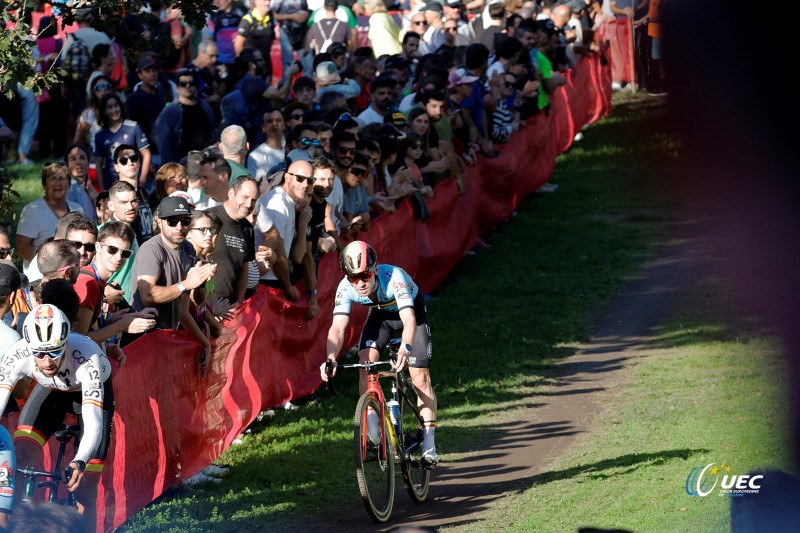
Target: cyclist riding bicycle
x=72, y=375
x=396, y=304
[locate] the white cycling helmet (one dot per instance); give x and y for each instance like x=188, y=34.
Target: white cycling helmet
x=46, y=329
x=357, y=258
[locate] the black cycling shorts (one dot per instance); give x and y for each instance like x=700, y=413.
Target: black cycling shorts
x=45, y=410
x=382, y=326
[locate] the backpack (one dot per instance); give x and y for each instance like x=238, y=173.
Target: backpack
x=77, y=60
x=328, y=38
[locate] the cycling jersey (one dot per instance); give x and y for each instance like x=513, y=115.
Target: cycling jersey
x=83, y=368
x=396, y=291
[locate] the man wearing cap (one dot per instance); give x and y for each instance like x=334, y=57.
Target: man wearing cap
x=186, y=125
x=434, y=13
x=146, y=102
x=236, y=239
x=165, y=270
x=330, y=80
x=270, y=152
x=381, y=102
x=276, y=221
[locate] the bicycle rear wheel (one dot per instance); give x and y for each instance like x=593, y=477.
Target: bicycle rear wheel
x=415, y=476
x=374, y=459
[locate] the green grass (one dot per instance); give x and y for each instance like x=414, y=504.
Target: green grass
x=708, y=391
x=500, y=318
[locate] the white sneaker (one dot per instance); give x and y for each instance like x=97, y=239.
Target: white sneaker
x=430, y=457
x=616, y=86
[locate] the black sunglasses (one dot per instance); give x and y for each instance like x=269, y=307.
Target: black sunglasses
x=88, y=246
x=343, y=150
x=5, y=252
x=174, y=221
x=359, y=172
x=132, y=158
x=186, y=83
x=296, y=116
x=300, y=177
x=114, y=250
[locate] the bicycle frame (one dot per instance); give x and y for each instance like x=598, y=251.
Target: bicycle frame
x=54, y=478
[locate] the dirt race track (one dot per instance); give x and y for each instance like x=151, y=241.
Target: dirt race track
x=526, y=442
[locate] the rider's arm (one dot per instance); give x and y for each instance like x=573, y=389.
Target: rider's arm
x=92, y=393
x=409, y=320
x=336, y=334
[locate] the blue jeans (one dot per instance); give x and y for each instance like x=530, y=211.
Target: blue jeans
x=30, y=119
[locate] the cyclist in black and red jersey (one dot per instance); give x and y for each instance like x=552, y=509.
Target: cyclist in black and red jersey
x=396, y=304
x=69, y=370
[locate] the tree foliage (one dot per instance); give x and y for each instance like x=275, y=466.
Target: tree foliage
x=17, y=64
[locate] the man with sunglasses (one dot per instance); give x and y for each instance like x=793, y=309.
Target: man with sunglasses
x=126, y=163
x=165, y=270
x=113, y=250
x=236, y=240
x=276, y=221
x=395, y=304
x=69, y=369
x=356, y=199
x=186, y=125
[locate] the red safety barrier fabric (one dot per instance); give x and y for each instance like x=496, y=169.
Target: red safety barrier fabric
x=170, y=423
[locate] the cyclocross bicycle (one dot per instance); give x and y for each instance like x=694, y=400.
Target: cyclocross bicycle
x=382, y=439
x=54, y=478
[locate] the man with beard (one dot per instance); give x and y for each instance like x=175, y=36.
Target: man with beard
x=276, y=221
x=58, y=259
x=380, y=101
x=321, y=229
x=344, y=149
x=236, y=239
x=164, y=271
x=124, y=205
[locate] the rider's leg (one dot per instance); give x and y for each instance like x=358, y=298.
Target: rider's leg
x=86, y=498
x=426, y=401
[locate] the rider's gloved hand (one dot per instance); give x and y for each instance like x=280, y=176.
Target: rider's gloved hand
x=324, y=371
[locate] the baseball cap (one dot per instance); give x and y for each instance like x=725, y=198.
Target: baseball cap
x=184, y=195
x=173, y=206
x=459, y=77
x=325, y=69
x=146, y=62
x=433, y=6
x=395, y=62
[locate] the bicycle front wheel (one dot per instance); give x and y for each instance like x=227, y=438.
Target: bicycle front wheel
x=416, y=477
x=374, y=459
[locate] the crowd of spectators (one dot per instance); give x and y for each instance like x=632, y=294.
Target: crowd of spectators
x=195, y=171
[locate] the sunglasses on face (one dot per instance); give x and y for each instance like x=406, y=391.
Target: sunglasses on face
x=186, y=84
x=306, y=141
x=359, y=172
x=103, y=87
x=132, y=158
x=418, y=22
x=296, y=116
x=204, y=231
x=114, y=250
x=50, y=355
x=364, y=276
x=172, y=222
x=509, y=84
x=87, y=246
x=343, y=150
x=450, y=28
x=301, y=178
x=5, y=252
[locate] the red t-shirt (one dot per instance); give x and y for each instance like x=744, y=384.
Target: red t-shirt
x=90, y=292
